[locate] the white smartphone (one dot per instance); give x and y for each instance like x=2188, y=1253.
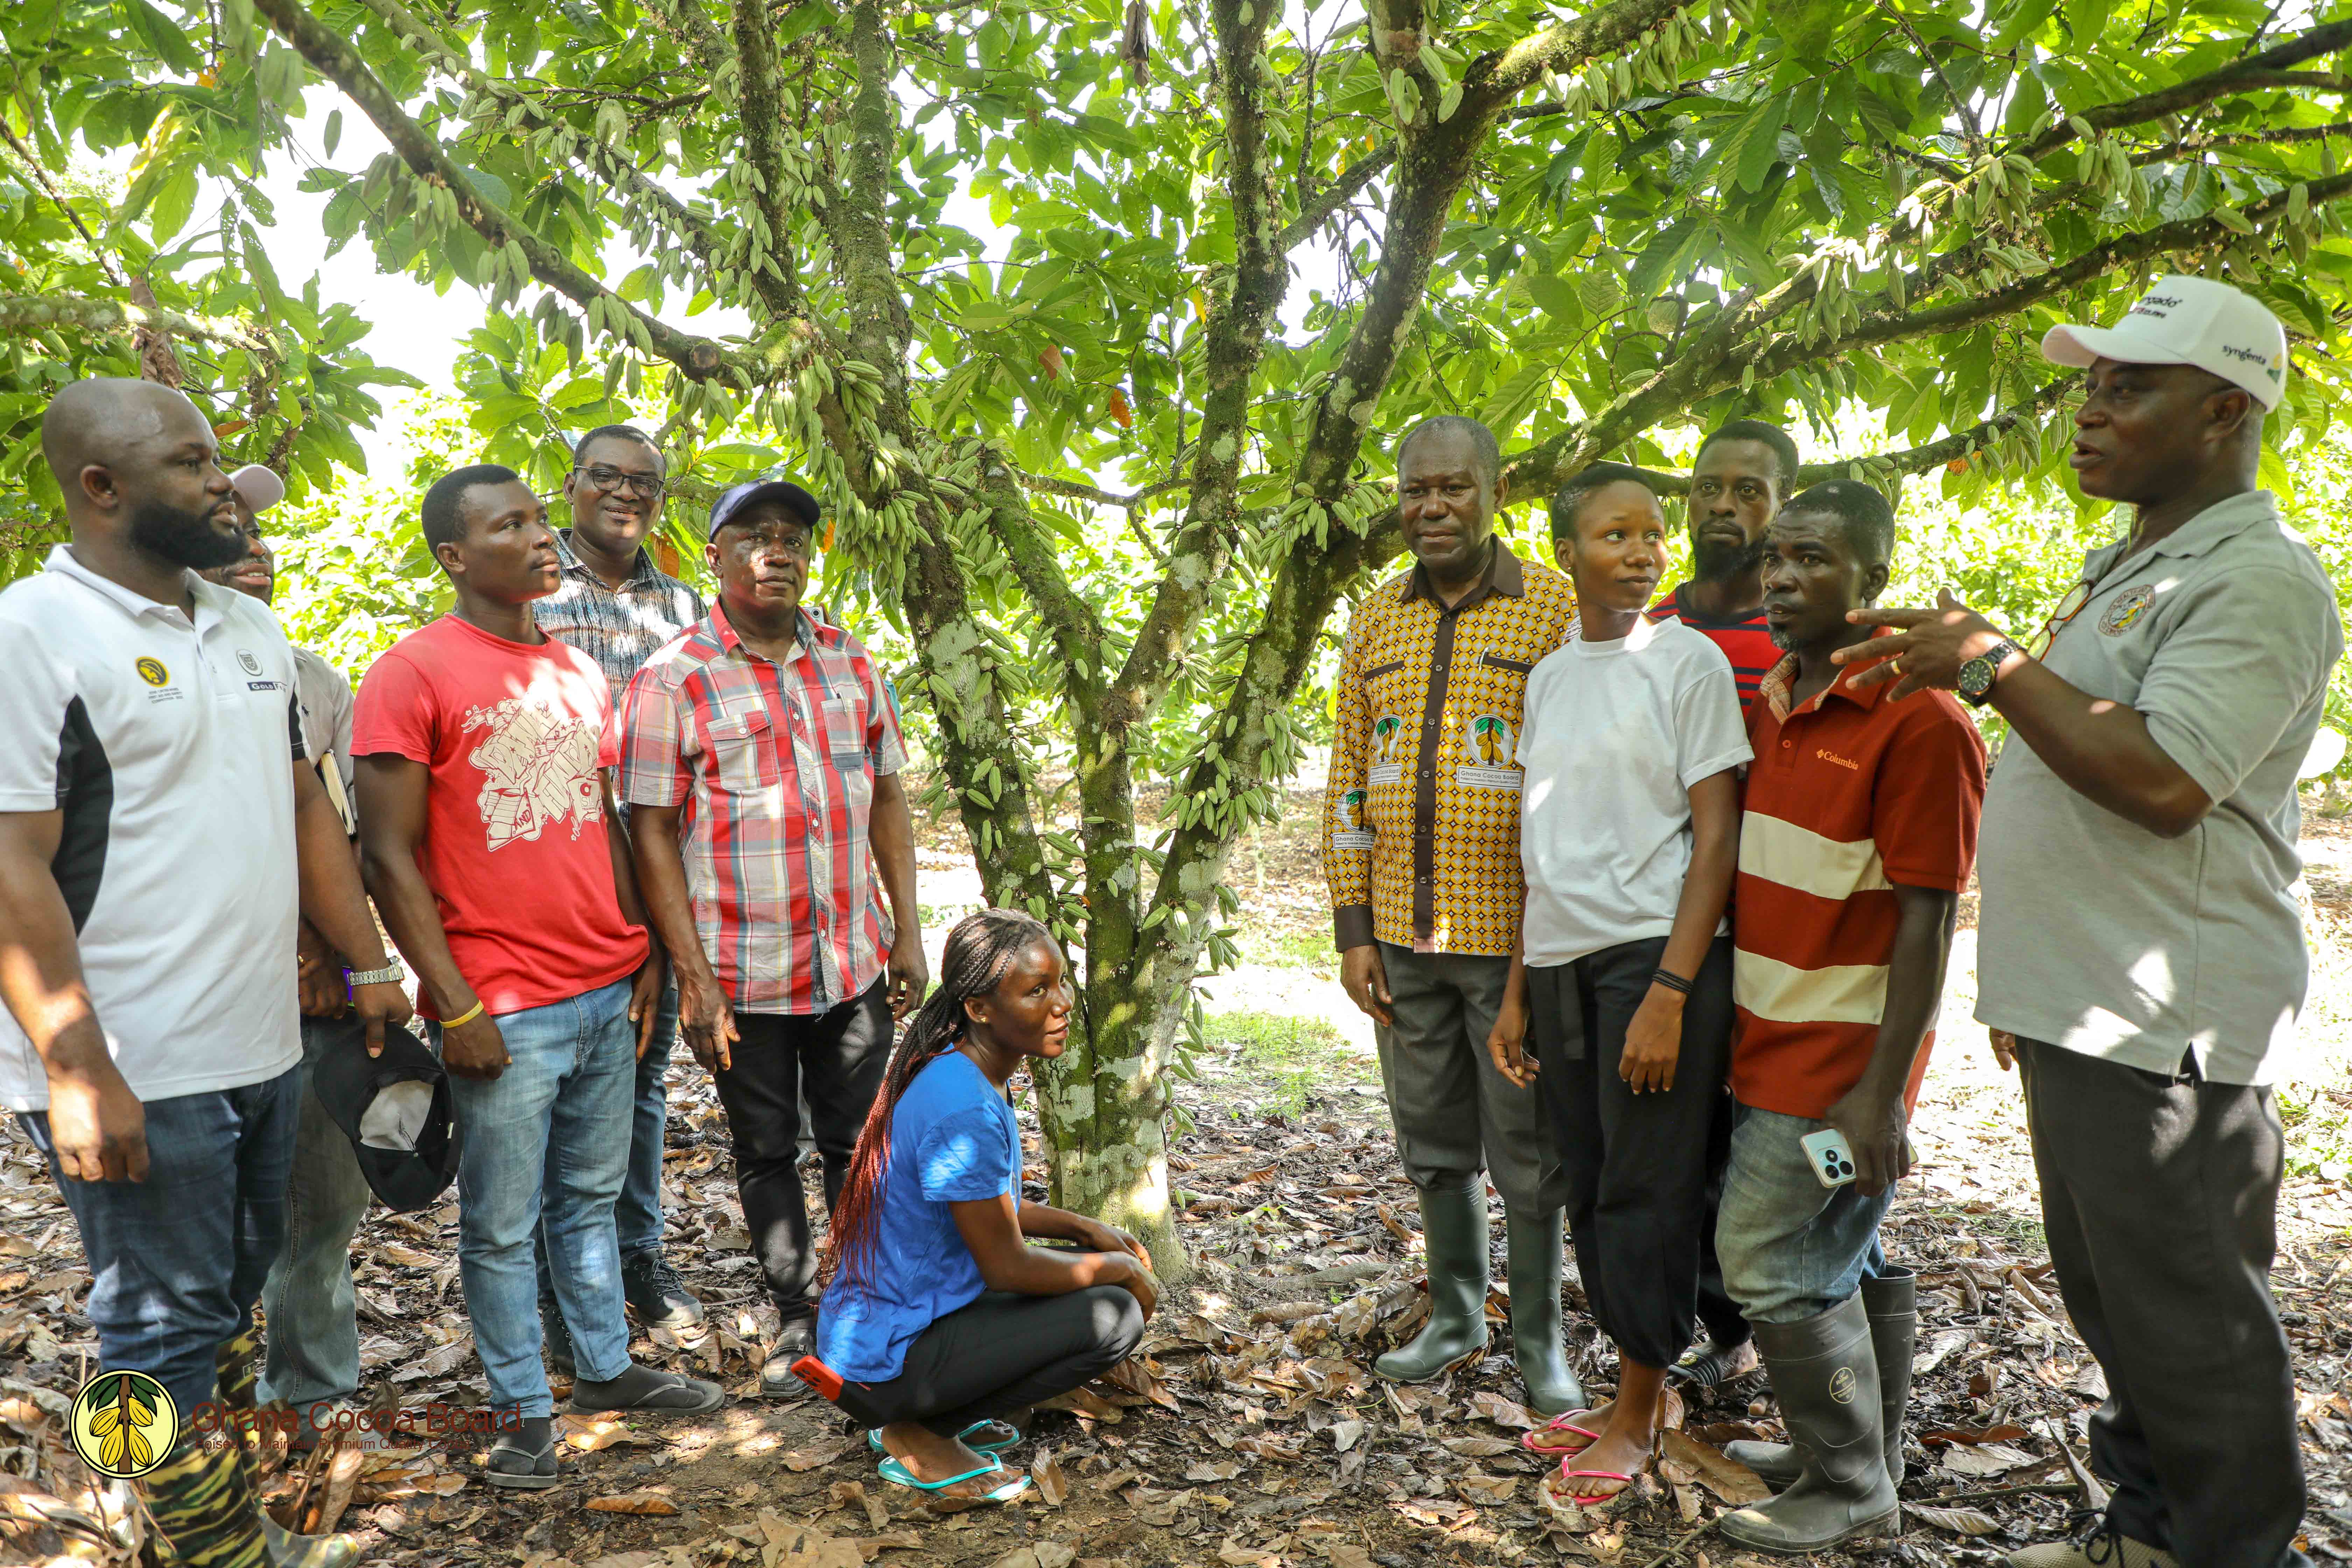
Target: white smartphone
x=1831, y=1158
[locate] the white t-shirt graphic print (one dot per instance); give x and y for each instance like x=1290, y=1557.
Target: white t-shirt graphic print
x=539, y=770
x=1614, y=735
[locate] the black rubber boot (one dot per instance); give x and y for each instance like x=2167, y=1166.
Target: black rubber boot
x=1538, y=1342
x=1827, y=1380
x=1454, y=1242
x=1893, y=1302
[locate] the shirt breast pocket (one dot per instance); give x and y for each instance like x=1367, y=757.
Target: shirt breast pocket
x=743, y=753
x=844, y=739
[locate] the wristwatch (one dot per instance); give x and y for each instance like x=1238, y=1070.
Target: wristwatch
x=390, y=974
x=1978, y=674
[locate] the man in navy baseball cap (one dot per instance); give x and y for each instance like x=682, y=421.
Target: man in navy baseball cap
x=737, y=501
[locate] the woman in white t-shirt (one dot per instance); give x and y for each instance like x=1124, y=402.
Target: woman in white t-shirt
x=1629, y=826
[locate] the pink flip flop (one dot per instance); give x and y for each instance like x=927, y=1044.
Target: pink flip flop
x=1558, y=1424
x=1568, y=1475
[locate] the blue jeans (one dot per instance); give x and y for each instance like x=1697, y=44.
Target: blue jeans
x=177, y=1261
x=313, y=1343
x=1791, y=1249
x=548, y=1139
x=637, y=1215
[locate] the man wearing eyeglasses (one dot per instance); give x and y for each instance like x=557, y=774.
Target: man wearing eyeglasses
x=761, y=755
x=2140, y=953
x=616, y=607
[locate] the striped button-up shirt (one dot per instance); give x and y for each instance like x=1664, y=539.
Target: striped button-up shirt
x=1421, y=814
x=618, y=627
x=775, y=764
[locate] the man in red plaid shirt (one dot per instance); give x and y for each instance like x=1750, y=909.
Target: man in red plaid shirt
x=761, y=757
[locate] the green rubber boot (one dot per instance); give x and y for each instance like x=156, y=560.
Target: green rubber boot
x=1537, y=1341
x=1453, y=1239
x=1893, y=1302
x=1826, y=1376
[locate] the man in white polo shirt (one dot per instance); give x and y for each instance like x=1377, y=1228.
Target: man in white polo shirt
x=150, y=1043
x=2140, y=951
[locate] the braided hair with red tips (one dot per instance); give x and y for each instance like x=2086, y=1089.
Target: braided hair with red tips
x=980, y=950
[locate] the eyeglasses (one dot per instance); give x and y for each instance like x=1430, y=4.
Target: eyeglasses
x=2068, y=608
x=608, y=480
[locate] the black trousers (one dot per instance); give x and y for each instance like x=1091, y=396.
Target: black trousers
x=2160, y=1197
x=835, y=1061
x=999, y=1353
x=1638, y=1165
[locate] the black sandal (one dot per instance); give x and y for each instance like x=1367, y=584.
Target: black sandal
x=517, y=1468
x=1711, y=1365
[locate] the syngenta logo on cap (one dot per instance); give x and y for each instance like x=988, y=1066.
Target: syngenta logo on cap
x=2252, y=356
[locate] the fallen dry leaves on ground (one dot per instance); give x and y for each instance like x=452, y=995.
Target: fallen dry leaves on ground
x=1250, y=1430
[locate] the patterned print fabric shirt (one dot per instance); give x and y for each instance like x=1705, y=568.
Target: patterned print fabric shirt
x=1421, y=814
x=775, y=766
x=618, y=627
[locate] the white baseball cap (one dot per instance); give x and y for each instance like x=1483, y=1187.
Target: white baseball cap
x=260, y=488
x=2187, y=321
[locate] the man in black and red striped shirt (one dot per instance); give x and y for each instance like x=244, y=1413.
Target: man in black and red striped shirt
x=1744, y=471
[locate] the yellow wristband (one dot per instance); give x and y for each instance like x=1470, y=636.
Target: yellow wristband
x=468, y=1016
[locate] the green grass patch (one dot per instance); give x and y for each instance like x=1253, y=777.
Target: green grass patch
x=1295, y=949
x=1279, y=1060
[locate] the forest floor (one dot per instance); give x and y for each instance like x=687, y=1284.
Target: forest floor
x=1252, y=1431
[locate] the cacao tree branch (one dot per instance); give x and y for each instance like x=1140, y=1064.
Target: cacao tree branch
x=1533, y=478
x=1770, y=359
x=1345, y=187
x=2255, y=73
x=588, y=150
x=2195, y=144
x=1234, y=344
x=1046, y=484
x=1437, y=157
x=57, y=199
x=338, y=61
x=954, y=653
x=66, y=312
x=762, y=120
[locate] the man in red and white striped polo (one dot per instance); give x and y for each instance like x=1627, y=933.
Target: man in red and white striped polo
x=1859, y=834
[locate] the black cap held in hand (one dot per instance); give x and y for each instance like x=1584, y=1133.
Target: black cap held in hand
x=407, y=1139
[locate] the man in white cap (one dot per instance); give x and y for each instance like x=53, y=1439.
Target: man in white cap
x=2141, y=953
x=312, y=1356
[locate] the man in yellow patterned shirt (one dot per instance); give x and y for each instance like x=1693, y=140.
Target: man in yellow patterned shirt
x=1422, y=850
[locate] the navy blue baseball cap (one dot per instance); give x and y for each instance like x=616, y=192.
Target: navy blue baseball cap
x=730, y=505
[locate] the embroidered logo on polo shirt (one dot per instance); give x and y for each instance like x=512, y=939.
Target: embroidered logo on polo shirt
x=246, y=662
x=2126, y=608
x=152, y=672
x=1828, y=756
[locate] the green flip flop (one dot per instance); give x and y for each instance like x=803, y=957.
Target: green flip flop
x=896, y=1472
x=993, y=1446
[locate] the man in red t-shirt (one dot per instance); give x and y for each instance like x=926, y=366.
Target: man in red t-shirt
x=1744, y=471
x=1859, y=834
x=501, y=871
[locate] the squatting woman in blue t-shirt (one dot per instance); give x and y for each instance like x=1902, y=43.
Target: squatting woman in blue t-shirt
x=942, y=1318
